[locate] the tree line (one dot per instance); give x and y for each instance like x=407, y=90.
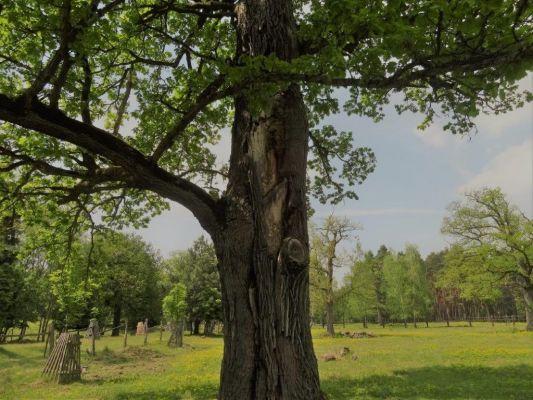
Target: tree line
x=486, y=272
x=108, y=275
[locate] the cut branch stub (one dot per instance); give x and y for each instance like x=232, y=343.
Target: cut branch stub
x=292, y=255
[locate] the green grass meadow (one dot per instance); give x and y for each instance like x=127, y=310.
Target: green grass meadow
x=481, y=362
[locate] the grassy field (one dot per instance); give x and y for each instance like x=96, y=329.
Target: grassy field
x=482, y=362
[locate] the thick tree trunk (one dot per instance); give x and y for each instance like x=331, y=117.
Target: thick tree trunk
x=22, y=333
x=264, y=256
x=176, y=334
x=196, y=327
x=528, y=300
x=117, y=313
x=208, y=327
x=263, y=246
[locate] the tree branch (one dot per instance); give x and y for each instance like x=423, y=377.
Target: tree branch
x=207, y=96
x=144, y=174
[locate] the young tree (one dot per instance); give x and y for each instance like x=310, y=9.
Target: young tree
x=397, y=285
x=419, y=290
x=11, y=278
x=360, y=284
x=126, y=270
x=325, y=258
x=496, y=238
x=197, y=269
x=406, y=285
x=379, y=284
x=73, y=72
x=107, y=277
x=317, y=295
x=175, y=309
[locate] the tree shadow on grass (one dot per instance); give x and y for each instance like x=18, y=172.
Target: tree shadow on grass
x=199, y=392
x=8, y=354
x=438, y=383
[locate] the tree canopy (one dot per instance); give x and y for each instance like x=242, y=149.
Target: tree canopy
x=196, y=269
x=494, y=240
x=105, y=99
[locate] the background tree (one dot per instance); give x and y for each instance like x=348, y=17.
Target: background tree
x=463, y=277
x=379, y=284
x=325, y=256
x=127, y=271
x=397, y=285
x=317, y=290
x=407, y=285
x=108, y=276
x=175, y=311
x=72, y=73
x=196, y=268
x=496, y=238
x=360, y=283
x=10, y=276
x=434, y=263
x=420, y=292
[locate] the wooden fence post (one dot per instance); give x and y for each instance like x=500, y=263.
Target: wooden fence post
x=93, y=340
x=50, y=339
x=125, y=334
x=146, y=331
x=161, y=331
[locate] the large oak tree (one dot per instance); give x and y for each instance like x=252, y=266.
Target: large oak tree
x=494, y=241
x=72, y=72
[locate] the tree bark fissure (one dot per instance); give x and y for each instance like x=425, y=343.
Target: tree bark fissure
x=264, y=258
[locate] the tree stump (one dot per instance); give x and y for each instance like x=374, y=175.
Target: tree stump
x=176, y=334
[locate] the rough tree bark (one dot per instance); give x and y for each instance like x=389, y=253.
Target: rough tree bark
x=263, y=246
x=176, y=334
x=196, y=327
x=330, y=329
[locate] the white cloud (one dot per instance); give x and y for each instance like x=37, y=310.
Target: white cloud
x=512, y=171
x=434, y=136
x=496, y=125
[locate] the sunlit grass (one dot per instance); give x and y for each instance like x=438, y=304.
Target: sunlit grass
x=482, y=362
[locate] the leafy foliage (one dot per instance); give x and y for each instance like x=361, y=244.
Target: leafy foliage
x=196, y=269
x=159, y=80
x=175, y=304
x=494, y=241
x=407, y=286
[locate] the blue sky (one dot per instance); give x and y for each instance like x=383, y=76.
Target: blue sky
x=418, y=174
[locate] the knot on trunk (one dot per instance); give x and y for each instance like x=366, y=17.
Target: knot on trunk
x=292, y=255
